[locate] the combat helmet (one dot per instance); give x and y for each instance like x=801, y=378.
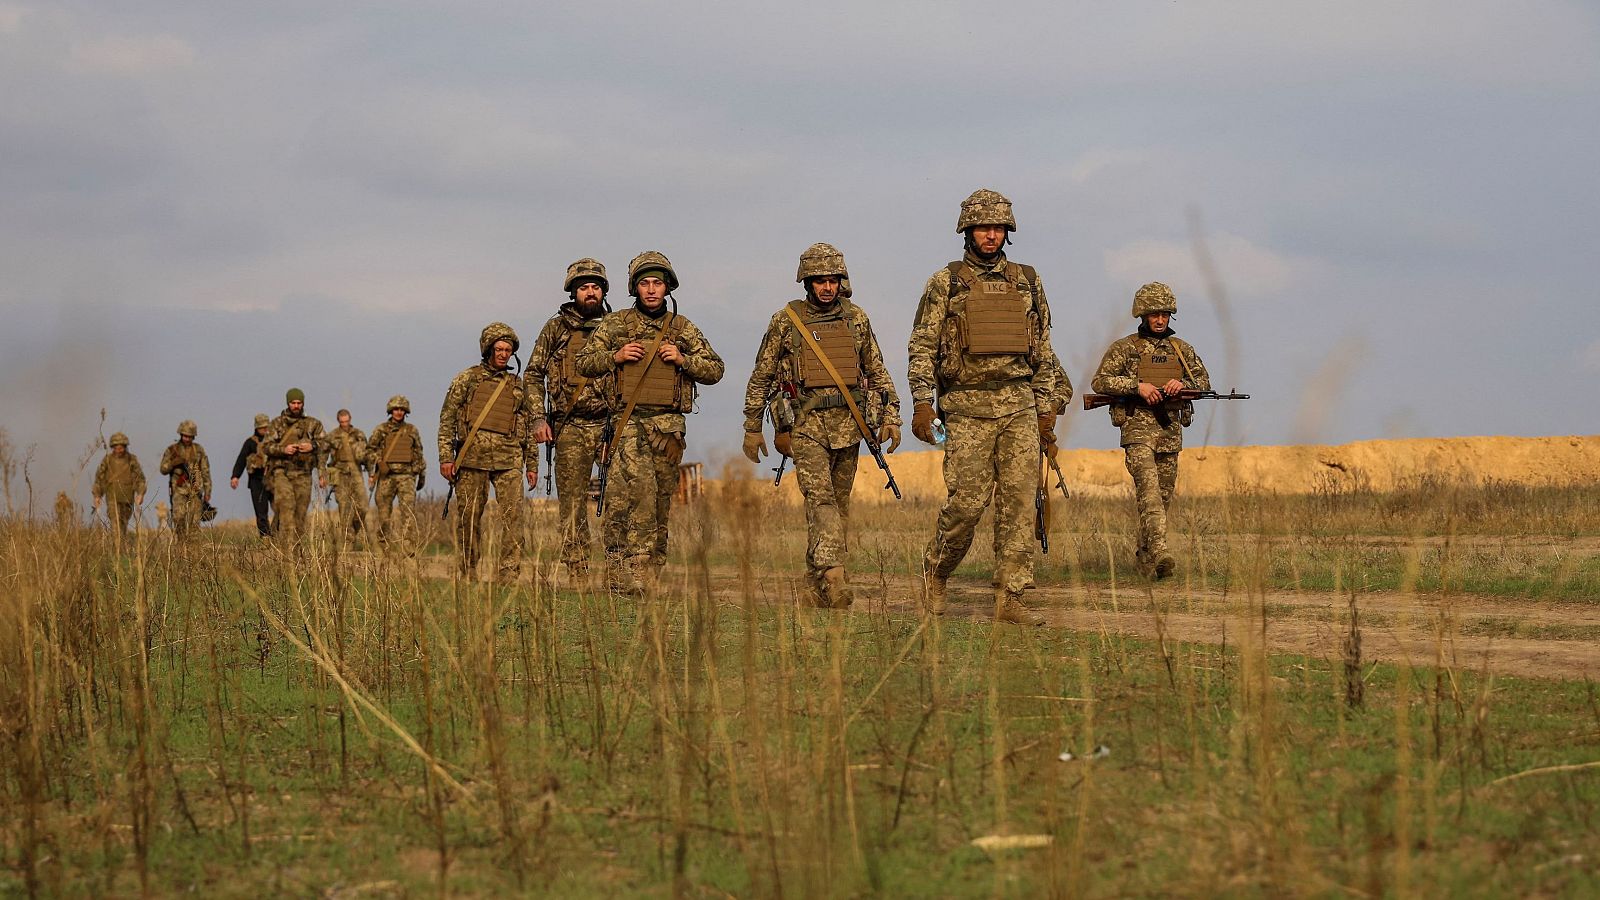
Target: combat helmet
x=1152, y=298
x=985, y=207
x=398, y=401
x=582, y=269
x=644, y=262
x=117, y=438
x=821, y=259
x=263, y=421
x=496, y=331
x=187, y=428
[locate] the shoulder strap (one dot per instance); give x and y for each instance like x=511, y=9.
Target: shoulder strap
x=482, y=414
x=649, y=360
x=833, y=373
x=1179, y=347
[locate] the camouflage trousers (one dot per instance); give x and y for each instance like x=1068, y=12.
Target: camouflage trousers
x=472, y=496
x=639, y=490
x=397, y=511
x=185, y=512
x=350, y=489
x=291, y=496
x=988, y=459
x=1154, y=477
x=825, y=477
x=118, y=513
x=576, y=450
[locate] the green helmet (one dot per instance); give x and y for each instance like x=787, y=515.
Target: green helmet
x=398, y=401
x=117, y=438
x=187, y=428
x=1154, y=297
x=985, y=207
x=582, y=269
x=496, y=331
x=821, y=259
x=262, y=420
x=645, y=262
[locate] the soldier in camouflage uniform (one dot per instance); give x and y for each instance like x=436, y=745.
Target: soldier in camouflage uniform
x=1146, y=367
x=980, y=349
x=252, y=458
x=575, y=406
x=343, y=463
x=120, y=482
x=398, y=471
x=824, y=440
x=188, y=472
x=295, y=445
x=654, y=389
x=486, y=431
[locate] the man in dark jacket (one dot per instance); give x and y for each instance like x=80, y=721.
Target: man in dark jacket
x=253, y=458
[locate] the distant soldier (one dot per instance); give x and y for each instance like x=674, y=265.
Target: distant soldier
x=486, y=431
x=980, y=349
x=577, y=405
x=658, y=357
x=252, y=458
x=120, y=482
x=188, y=472
x=824, y=440
x=398, y=471
x=343, y=467
x=294, y=448
x=1147, y=367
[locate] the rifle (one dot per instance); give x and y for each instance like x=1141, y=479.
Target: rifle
x=1041, y=513
x=1061, y=480
x=604, y=462
x=871, y=435
x=780, y=409
x=455, y=454
x=1095, y=401
x=783, y=462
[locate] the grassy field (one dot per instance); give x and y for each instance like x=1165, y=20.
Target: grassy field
x=217, y=721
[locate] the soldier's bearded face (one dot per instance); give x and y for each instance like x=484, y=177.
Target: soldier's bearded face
x=1157, y=322
x=118, y=449
x=296, y=407
x=589, y=295
x=652, y=293
x=501, y=354
x=988, y=238
x=825, y=288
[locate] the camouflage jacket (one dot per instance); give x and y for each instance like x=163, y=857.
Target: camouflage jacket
x=187, y=468
x=489, y=450
x=346, y=450
x=997, y=385
x=415, y=465
x=547, y=365
x=292, y=429
x=779, y=361
x=701, y=364
x=120, y=479
x=1119, y=374
x=1061, y=397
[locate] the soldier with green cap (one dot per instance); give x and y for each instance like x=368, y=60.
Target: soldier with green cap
x=1148, y=368
x=575, y=406
x=486, y=428
x=295, y=443
x=397, y=471
x=980, y=355
x=120, y=482
x=658, y=358
x=824, y=439
x=252, y=459
x=188, y=472
x=343, y=467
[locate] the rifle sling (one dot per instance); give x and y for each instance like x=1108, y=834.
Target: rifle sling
x=482, y=414
x=649, y=360
x=833, y=373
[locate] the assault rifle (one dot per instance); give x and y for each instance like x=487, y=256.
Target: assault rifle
x=455, y=454
x=870, y=433
x=1061, y=480
x=606, y=436
x=1095, y=401
x=780, y=408
x=783, y=463
x=1041, y=512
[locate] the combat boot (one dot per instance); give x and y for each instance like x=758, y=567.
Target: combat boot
x=1008, y=608
x=1164, y=565
x=836, y=588
x=933, y=591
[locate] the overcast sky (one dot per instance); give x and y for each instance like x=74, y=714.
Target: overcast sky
x=207, y=203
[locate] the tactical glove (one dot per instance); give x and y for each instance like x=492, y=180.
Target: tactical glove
x=890, y=435
x=754, y=446
x=1047, y=433
x=922, y=422
x=783, y=442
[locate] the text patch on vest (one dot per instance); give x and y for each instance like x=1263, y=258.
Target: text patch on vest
x=499, y=417
x=996, y=319
x=838, y=342
x=1158, y=367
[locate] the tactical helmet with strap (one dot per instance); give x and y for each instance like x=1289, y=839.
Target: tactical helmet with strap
x=496, y=331
x=398, y=401
x=1153, y=298
x=187, y=428
x=821, y=259
x=647, y=261
x=586, y=269
x=985, y=207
